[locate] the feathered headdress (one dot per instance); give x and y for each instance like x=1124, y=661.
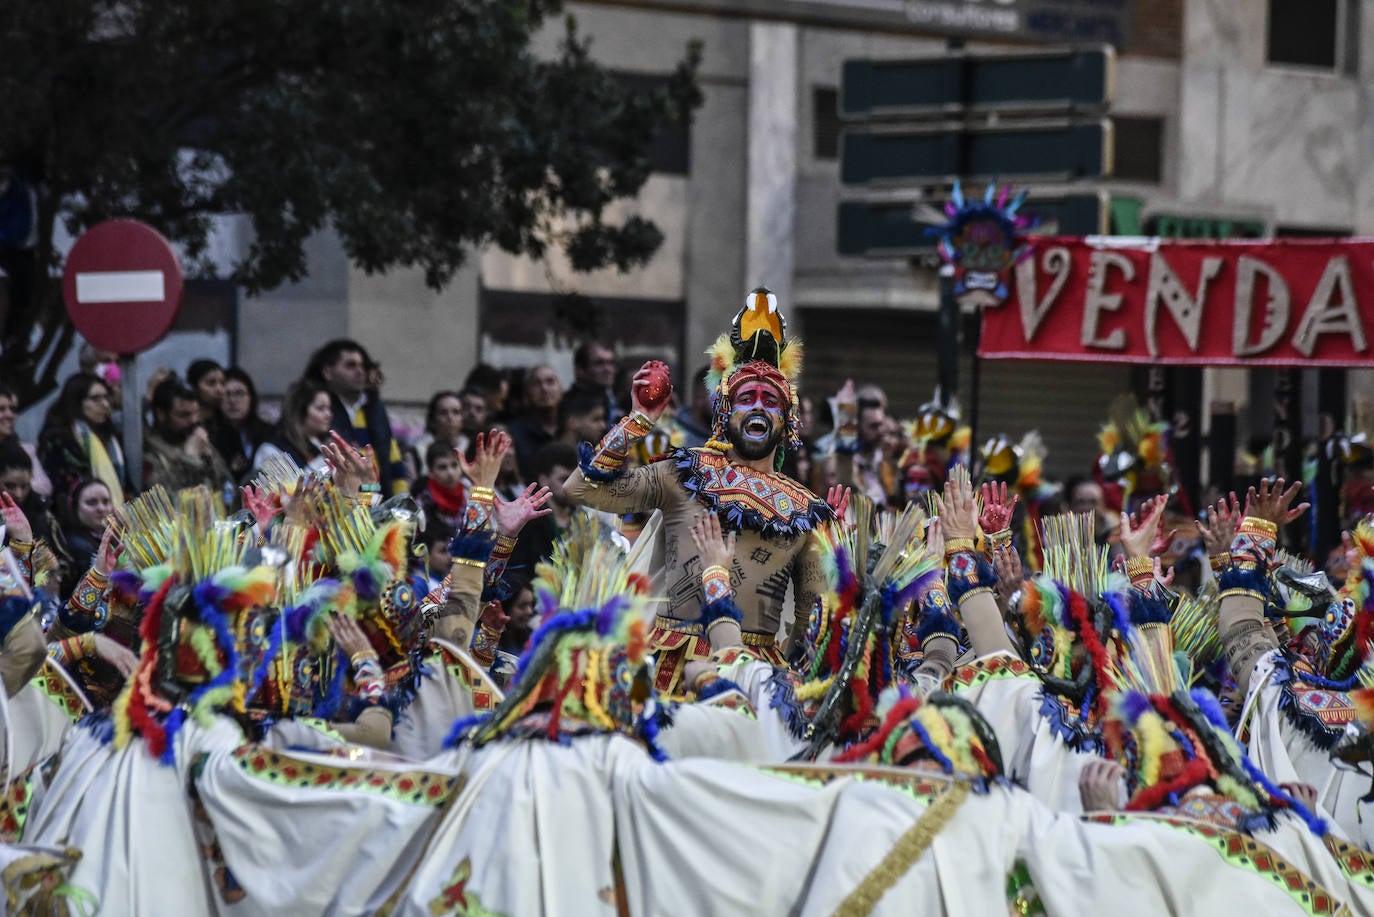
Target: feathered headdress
x=850, y=632
x=192, y=657
x=587, y=667
x=756, y=348
x=1132, y=445
x=1348, y=626
x=944, y=728
x=1171, y=740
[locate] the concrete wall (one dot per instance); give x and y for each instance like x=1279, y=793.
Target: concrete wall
x=278, y=330
x=1293, y=139
x=757, y=206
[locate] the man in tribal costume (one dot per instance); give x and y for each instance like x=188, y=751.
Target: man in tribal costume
x=756, y=417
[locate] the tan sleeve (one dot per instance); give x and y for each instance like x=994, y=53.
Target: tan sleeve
x=938, y=662
x=458, y=616
x=808, y=586
x=372, y=728
x=1245, y=636
x=639, y=491
x=983, y=619
x=22, y=654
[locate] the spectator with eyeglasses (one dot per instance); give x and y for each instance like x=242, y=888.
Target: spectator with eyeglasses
x=79, y=440
x=244, y=429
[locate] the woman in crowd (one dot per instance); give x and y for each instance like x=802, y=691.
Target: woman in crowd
x=79, y=441
x=244, y=426
x=305, y=420
x=443, y=425
x=206, y=379
x=82, y=518
x=9, y=412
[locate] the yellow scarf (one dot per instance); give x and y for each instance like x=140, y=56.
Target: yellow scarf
x=102, y=469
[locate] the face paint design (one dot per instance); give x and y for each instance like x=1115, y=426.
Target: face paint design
x=757, y=421
x=755, y=433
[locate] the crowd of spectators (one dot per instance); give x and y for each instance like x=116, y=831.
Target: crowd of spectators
x=206, y=426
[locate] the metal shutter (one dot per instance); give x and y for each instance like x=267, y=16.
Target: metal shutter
x=895, y=349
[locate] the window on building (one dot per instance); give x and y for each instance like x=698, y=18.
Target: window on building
x=1139, y=148
x=1312, y=232
x=671, y=151
x=825, y=122
x=1315, y=33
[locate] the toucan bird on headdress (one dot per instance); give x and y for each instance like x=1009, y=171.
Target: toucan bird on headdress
x=755, y=349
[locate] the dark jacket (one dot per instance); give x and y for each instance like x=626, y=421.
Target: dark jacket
x=375, y=432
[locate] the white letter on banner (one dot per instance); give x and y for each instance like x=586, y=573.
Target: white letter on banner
x=1032, y=310
x=1187, y=311
x=1322, y=317
x=1275, y=310
x=1096, y=302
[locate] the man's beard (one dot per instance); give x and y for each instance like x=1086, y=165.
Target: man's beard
x=754, y=444
x=174, y=437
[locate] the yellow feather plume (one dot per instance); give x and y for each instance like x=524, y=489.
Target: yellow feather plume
x=790, y=361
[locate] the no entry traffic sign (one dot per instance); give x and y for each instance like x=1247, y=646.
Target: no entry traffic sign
x=122, y=285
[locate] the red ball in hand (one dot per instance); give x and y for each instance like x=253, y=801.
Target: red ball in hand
x=658, y=387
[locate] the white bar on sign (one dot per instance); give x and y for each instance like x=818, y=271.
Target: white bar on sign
x=120, y=286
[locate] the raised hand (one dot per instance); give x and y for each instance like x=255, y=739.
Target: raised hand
x=262, y=505
x=714, y=548
x=1140, y=532
x=493, y=617
x=958, y=509
x=1272, y=503
x=107, y=554
x=488, y=451
x=1006, y=563
x=838, y=497
x=16, y=523
x=642, y=391
x=1222, y=521
x=935, y=540
x=116, y=654
x=997, y=512
x=514, y=515
x=348, y=635
x=352, y=468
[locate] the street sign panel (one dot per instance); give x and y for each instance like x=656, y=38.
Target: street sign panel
x=892, y=229
x=1030, y=81
x=1022, y=151
x=122, y=285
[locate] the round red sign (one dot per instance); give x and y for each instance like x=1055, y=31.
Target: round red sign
x=122, y=285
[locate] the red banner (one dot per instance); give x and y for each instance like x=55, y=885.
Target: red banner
x=1290, y=302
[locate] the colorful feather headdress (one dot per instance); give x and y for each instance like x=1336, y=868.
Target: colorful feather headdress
x=876, y=567
x=1132, y=445
x=756, y=348
x=1348, y=626
x=587, y=668
x=1171, y=740
x=944, y=728
x=191, y=662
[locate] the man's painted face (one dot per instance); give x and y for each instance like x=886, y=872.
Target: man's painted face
x=757, y=420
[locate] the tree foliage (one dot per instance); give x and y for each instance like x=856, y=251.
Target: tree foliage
x=417, y=128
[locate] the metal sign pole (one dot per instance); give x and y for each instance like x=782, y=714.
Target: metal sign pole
x=947, y=340
x=133, y=423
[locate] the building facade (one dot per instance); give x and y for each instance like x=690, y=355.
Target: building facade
x=1232, y=117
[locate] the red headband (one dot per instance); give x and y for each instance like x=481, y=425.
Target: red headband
x=758, y=371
